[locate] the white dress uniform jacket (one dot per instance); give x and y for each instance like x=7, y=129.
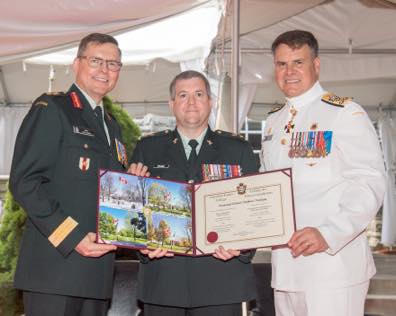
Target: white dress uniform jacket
x=338, y=194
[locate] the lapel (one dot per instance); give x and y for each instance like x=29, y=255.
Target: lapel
x=88, y=115
x=209, y=149
x=208, y=152
x=109, y=121
x=176, y=153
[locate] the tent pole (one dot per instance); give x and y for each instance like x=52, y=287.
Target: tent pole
x=6, y=100
x=235, y=67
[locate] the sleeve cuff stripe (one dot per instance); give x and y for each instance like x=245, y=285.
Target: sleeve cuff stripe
x=62, y=231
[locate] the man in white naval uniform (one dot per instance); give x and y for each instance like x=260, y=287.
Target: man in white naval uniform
x=338, y=179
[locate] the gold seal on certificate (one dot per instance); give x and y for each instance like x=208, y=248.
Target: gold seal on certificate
x=243, y=212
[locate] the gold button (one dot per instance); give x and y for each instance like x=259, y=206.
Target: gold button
x=283, y=141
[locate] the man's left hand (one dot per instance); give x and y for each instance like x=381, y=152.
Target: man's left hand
x=138, y=169
x=306, y=242
x=225, y=255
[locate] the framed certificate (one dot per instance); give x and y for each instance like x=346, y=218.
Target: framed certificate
x=244, y=212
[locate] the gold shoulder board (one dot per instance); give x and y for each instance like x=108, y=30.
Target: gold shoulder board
x=335, y=100
x=276, y=109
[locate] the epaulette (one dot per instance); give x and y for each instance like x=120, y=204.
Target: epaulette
x=160, y=133
x=276, y=109
x=335, y=100
x=228, y=134
x=58, y=93
x=40, y=103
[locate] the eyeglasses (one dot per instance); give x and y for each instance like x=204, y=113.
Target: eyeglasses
x=96, y=62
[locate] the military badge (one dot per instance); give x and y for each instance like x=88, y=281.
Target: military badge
x=290, y=125
x=121, y=153
x=84, y=163
x=314, y=126
x=83, y=131
x=76, y=100
x=241, y=188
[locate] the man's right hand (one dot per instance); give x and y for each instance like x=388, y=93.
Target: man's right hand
x=89, y=248
x=157, y=253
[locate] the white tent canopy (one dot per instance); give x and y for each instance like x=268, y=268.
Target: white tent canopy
x=356, y=37
x=357, y=50
x=32, y=27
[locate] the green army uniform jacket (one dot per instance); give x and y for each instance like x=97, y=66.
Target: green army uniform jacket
x=201, y=281
x=54, y=177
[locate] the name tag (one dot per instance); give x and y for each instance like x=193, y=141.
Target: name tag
x=83, y=131
x=161, y=167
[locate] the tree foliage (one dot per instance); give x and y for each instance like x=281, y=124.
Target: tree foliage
x=129, y=129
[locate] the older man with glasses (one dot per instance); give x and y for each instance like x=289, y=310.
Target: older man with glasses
x=63, y=141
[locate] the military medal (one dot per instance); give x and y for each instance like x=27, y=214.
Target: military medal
x=290, y=125
x=121, y=152
x=311, y=137
x=292, y=145
x=84, y=163
x=76, y=100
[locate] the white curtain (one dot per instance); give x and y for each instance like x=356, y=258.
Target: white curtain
x=246, y=96
x=387, y=130
x=10, y=121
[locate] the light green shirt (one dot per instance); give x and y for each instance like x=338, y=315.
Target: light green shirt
x=93, y=105
x=187, y=147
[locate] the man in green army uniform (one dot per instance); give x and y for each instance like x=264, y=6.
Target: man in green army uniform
x=60, y=147
x=202, y=286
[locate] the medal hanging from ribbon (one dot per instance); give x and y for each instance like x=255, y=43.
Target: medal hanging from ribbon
x=310, y=144
x=290, y=125
x=121, y=153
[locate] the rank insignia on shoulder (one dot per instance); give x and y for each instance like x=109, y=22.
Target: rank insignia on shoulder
x=276, y=109
x=55, y=93
x=228, y=134
x=41, y=103
x=335, y=100
x=76, y=100
x=160, y=133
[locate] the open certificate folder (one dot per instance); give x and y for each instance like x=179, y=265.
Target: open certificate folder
x=245, y=212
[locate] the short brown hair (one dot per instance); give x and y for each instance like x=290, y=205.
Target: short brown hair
x=296, y=39
x=96, y=38
x=189, y=74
